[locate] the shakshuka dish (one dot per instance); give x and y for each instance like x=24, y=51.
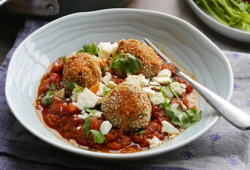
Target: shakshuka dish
x=118, y=97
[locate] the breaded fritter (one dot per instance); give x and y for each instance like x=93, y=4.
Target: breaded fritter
x=151, y=61
x=127, y=107
x=82, y=69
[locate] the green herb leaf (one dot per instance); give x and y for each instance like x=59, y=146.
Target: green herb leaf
x=80, y=51
x=98, y=137
x=64, y=59
x=106, y=90
x=92, y=111
x=70, y=86
x=89, y=48
x=86, y=125
x=127, y=63
x=47, y=99
x=139, y=132
x=183, y=119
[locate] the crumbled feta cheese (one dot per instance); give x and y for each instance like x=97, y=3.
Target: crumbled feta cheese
x=84, y=116
x=153, y=83
x=178, y=88
x=155, y=97
x=100, y=89
x=96, y=114
x=107, y=78
x=174, y=105
x=137, y=79
x=86, y=99
x=110, y=84
x=162, y=80
x=180, y=116
x=78, y=127
x=105, y=127
x=154, y=142
x=167, y=127
x=164, y=73
x=106, y=49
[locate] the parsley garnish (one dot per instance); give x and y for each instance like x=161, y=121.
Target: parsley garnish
x=47, y=99
x=139, y=132
x=127, y=63
x=97, y=135
x=188, y=118
x=90, y=48
x=73, y=86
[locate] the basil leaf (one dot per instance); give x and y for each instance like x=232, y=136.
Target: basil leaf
x=126, y=63
x=86, y=125
x=47, y=99
x=98, y=137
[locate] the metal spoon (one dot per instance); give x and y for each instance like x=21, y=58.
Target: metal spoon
x=234, y=115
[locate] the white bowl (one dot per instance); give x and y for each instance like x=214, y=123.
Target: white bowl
x=230, y=32
x=175, y=37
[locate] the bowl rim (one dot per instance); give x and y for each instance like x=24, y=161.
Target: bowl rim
x=136, y=155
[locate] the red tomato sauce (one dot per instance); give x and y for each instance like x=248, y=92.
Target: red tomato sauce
x=61, y=116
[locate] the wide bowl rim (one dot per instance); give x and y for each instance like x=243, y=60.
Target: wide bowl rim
x=136, y=155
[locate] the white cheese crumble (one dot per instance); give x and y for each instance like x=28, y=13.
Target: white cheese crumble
x=107, y=78
x=163, y=77
x=105, y=127
x=164, y=73
x=86, y=99
x=78, y=127
x=174, y=105
x=155, y=97
x=154, y=142
x=178, y=88
x=170, y=129
x=162, y=80
x=106, y=49
x=110, y=84
x=137, y=79
x=83, y=116
x=96, y=114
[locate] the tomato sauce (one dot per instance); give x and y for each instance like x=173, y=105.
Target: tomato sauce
x=61, y=116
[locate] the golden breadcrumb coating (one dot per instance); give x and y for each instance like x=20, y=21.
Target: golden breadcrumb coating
x=151, y=61
x=127, y=107
x=82, y=69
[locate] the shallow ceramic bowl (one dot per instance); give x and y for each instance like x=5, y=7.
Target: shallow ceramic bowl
x=230, y=32
x=175, y=37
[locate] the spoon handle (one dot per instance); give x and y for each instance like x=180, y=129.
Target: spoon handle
x=231, y=113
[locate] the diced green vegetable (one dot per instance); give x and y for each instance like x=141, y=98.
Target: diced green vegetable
x=233, y=13
x=47, y=99
x=127, y=63
x=106, y=90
